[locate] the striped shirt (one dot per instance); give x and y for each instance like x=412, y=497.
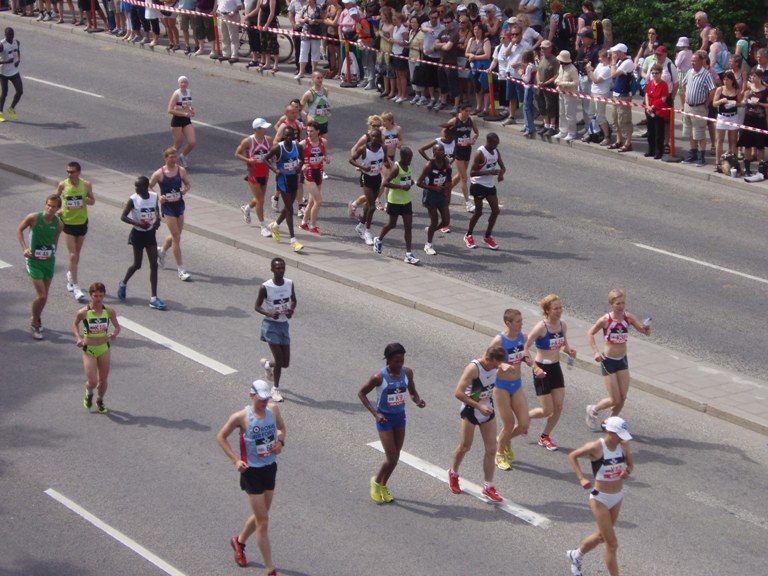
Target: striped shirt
x=697, y=85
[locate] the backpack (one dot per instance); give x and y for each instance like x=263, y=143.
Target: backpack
x=565, y=30
x=752, y=53
x=597, y=32
x=723, y=57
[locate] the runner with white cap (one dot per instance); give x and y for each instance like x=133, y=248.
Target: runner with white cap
x=252, y=151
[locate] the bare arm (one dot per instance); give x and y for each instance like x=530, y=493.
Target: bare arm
x=234, y=422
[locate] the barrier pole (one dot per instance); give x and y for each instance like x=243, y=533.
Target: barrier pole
x=348, y=81
x=671, y=157
x=491, y=101
x=216, y=40
x=94, y=24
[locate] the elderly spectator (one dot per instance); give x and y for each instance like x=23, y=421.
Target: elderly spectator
x=683, y=59
x=587, y=16
x=656, y=112
x=622, y=69
x=726, y=100
x=702, y=23
x=718, y=51
x=546, y=75
x=492, y=23
x=479, y=54
x=600, y=81
x=698, y=89
x=567, y=81
x=311, y=20
x=755, y=102
x=586, y=53
x=515, y=87
x=431, y=31
x=501, y=56
x=473, y=13
x=534, y=11
x=670, y=75
x=530, y=37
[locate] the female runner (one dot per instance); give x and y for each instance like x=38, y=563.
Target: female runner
x=181, y=111
x=315, y=156
x=252, y=150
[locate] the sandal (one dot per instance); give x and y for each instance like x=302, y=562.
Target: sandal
x=275, y=68
x=253, y=64
x=615, y=146
x=626, y=148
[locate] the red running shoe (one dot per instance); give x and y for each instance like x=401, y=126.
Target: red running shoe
x=315, y=230
x=304, y=226
x=239, y=552
x=469, y=241
x=546, y=441
x=453, y=482
x=490, y=493
x=490, y=243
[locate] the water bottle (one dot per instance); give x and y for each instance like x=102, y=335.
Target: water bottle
x=647, y=321
x=570, y=362
x=734, y=172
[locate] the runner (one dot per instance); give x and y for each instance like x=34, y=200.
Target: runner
x=447, y=140
x=508, y=396
x=181, y=111
x=399, y=182
x=174, y=185
x=466, y=136
x=475, y=392
x=435, y=179
x=96, y=336
x=391, y=384
x=294, y=117
x=277, y=302
x=76, y=195
x=288, y=157
x=611, y=464
x=486, y=169
x=252, y=150
x=44, y=230
x=549, y=337
x=315, y=157
x=262, y=438
x=374, y=125
x=315, y=102
x=614, y=365
x=10, y=60
x=142, y=211
x=392, y=138
x=372, y=159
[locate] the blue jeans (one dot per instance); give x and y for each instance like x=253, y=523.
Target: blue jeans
x=528, y=108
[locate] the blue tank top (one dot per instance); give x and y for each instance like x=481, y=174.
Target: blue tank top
x=390, y=395
x=170, y=186
x=288, y=161
x=551, y=340
x=258, y=441
x=514, y=348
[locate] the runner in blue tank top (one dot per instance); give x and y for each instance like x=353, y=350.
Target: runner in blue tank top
x=285, y=160
x=391, y=384
x=262, y=438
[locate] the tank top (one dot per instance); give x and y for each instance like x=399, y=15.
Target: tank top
x=96, y=325
x=481, y=388
x=438, y=176
x=723, y=110
x=278, y=298
x=183, y=99
x=616, y=332
x=515, y=348
x=74, y=209
x=288, y=161
x=144, y=210
x=314, y=155
x=448, y=147
x=258, y=150
x=611, y=465
x=9, y=65
x=390, y=394
x=259, y=439
x=318, y=106
x=551, y=340
x=170, y=186
x=42, y=238
x=463, y=132
x=404, y=178
x=373, y=160
x=490, y=161
x=389, y=137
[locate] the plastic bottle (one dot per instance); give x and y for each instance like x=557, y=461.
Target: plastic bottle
x=647, y=321
x=570, y=362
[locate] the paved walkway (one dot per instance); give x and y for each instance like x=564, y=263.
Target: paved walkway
x=705, y=387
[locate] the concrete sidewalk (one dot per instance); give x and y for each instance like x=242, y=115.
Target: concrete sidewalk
x=655, y=369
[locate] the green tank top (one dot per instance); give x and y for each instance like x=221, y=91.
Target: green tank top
x=398, y=195
x=42, y=238
x=318, y=106
x=96, y=325
x=73, y=207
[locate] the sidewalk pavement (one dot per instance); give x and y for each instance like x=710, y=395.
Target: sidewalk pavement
x=655, y=369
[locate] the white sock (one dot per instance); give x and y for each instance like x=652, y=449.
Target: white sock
x=293, y=238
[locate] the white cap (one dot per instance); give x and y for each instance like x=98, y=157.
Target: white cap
x=461, y=8
x=683, y=42
x=619, y=48
x=262, y=391
x=260, y=123
x=355, y=11
x=618, y=426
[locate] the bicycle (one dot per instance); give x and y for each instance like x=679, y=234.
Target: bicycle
x=284, y=41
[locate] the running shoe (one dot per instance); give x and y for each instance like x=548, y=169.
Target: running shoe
x=182, y=160
x=469, y=241
x=122, y=289
x=547, y=443
x=470, y=206
x=445, y=230
x=265, y=232
x=79, y=294
x=489, y=241
x=297, y=246
x=508, y=453
x=276, y=396
x=453, y=482
x=301, y=210
x=376, y=491
x=2, y=117
x=275, y=232
x=157, y=304
x=377, y=244
x=12, y=113
x=368, y=238
x=351, y=209
x=269, y=371
x=275, y=203
x=410, y=258
x=161, y=257
x=360, y=229
x=379, y=205
x=37, y=333
x=88, y=401
x=385, y=494
x=246, y=210
x=592, y=418
x=184, y=275
x=70, y=284
x=239, y=549
x=490, y=493
x=315, y=230
x=429, y=250
x=100, y=407
x=575, y=562
x=501, y=463
x=304, y=226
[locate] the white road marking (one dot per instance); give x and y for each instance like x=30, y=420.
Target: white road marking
x=469, y=488
x=116, y=534
x=175, y=346
x=739, y=513
x=227, y=130
x=702, y=263
x=33, y=79
x=4, y=265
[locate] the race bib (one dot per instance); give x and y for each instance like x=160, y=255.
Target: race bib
x=173, y=196
x=264, y=449
x=396, y=399
x=464, y=141
x=74, y=203
x=556, y=343
x=147, y=216
x=618, y=337
x=43, y=253
x=98, y=327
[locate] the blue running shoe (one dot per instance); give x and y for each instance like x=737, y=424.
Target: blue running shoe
x=121, y=290
x=157, y=304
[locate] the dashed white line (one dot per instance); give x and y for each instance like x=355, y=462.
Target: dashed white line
x=702, y=263
x=115, y=533
x=62, y=86
x=175, y=346
x=214, y=127
x=470, y=488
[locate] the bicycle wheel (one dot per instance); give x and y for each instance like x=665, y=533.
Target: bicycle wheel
x=286, y=46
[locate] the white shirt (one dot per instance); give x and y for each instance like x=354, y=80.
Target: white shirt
x=602, y=88
x=430, y=38
x=228, y=6
x=515, y=57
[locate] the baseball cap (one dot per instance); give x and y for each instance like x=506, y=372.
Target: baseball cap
x=260, y=123
x=587, y=34
x=619, y=48
x=262, y=391
x=682, y=42
x=546, y=44
x=660, y=50
x=461, y=8
x=618, y=426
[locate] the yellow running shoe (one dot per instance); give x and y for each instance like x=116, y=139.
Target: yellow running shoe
x=297, y=246
x=385, y=495
x=12, y=113
x=501, y=463
x=508, y=454
x=2, y=117
x=376, y=495
x=275, y=232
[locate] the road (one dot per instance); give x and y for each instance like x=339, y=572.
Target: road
x=152, y=470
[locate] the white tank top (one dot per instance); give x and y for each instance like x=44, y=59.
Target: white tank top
x=610, y=467
x=374, y=160
x=144, y=210
x=491, y=160
x=9, y=58
x=278, y=298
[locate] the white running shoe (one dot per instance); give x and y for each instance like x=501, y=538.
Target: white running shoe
x=70, y=284
x=368, y=238
x=184, y=275
x=183, y=162
x=276, y=396
x=78, y=293
x=569, y=138
x=161, y=257
x=265, y=232
x=592, y=418
x=575, y=562
x=429, y=250
x=360, y=229
x=275, y=204
x=246, y=210
x=351, y=209
x=269, y=372
x=470, y=206
x=410, y=258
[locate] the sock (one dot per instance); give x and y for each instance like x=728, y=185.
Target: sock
x=293, y=239
x=180, y=269
x=263, y=224
x=487, y=485
x=579, y=554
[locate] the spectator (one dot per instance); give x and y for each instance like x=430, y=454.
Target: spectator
x=740, y=71
x=530, y=37
x=622, y=70
x=365, y=36
x=251, y=19
x=567, y=81
x=270, y=50
x=763, y=42
x=501, y=56
x=400, y=65
x=203, y=26
x=473, y=13
x=152, y=16
x=415, y=42
x=447, y=46
x=702, y=23
x=711, y=110
x=487, y=5
x=600, y=79
x=186, y=23
x=515, y=88
x=229, y=28
x=527, y=71
x=294, y=10
x=741, y=32
x=431, y=31
x=465, y=33
x=755, y=101
x=479, y=56
x=546, y=75
x=534, y=11
x=727, y=101
x=492, y=23
x=762, y=63
x=559, y=41
x=168, y=19
x=718, y=51
x=698, y=90
x=670, y=75
x=383, y=57
x=331, y=21
x=656, y=112
x=586, y=53
x=587, y=16
x=683, y=60
x=647, y=48
x=310, y=18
